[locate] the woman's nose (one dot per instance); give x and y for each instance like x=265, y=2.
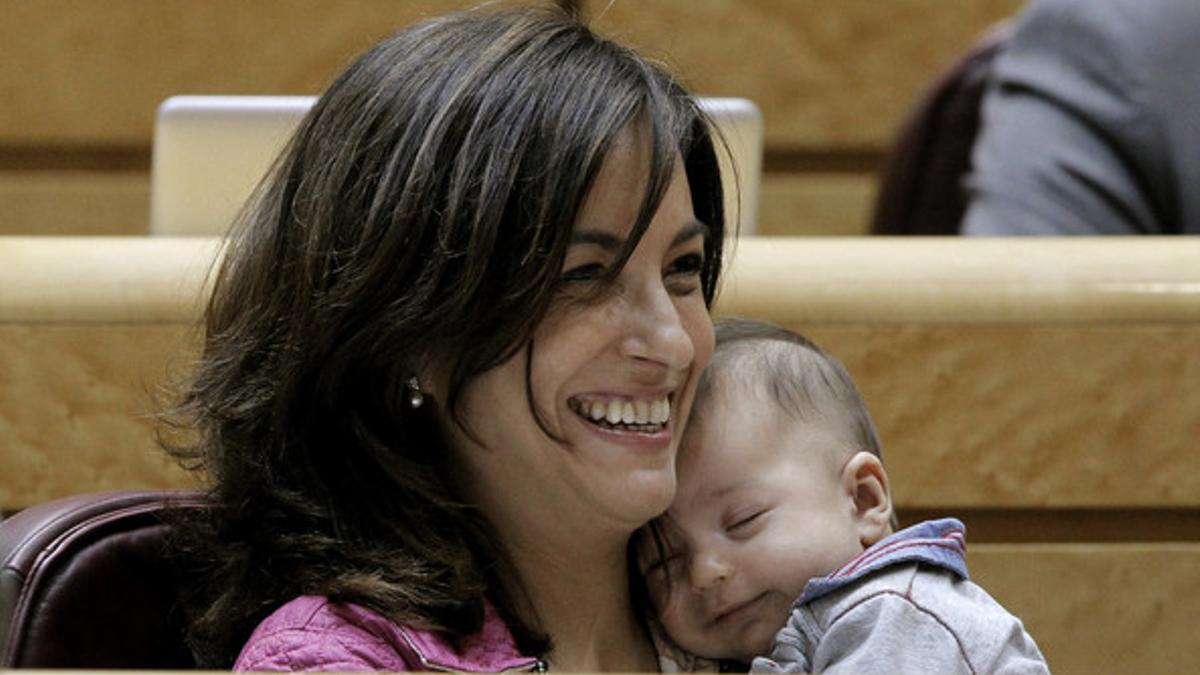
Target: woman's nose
x=657, y=331
x=707, y=571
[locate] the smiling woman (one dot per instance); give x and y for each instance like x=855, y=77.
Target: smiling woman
x=621, y=345
x=449, y=356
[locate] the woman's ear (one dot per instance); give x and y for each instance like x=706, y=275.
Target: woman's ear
x=866, y=483
x=433, y=375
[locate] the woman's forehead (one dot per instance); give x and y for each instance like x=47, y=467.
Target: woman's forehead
x=616, y=194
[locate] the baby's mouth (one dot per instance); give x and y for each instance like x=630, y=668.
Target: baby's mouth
x=737, y=611
x=645, y=416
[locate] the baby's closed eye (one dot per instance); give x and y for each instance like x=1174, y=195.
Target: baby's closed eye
x=746, y=522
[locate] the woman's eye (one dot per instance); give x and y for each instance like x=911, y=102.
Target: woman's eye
x=691, y=263
x=684, y=273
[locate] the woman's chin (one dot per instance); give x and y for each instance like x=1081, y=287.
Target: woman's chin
x=648, y=493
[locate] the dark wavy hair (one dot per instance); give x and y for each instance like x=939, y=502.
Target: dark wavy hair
x=422, y=211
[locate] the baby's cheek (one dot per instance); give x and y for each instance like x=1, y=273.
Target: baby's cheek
x=679, y=625
x=659, y=597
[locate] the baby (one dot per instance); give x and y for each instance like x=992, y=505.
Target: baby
x=779, y=550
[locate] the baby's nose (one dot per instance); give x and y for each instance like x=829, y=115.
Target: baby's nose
x=707, y=571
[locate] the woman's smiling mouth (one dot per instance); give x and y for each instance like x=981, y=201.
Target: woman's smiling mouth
x=618, y=413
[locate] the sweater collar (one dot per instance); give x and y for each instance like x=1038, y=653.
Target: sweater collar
x=940, y=543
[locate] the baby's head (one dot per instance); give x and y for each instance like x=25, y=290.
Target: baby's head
x=780, y=480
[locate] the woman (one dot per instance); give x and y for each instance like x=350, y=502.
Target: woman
x=449, y=355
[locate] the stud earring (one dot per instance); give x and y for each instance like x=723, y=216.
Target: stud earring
x=415, y=396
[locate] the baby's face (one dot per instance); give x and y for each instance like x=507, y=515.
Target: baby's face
x=761, y=508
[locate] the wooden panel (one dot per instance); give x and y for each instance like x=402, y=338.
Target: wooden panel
x=1069, y=417
x=103, y=280
x=1100, y=608
x=77, y=407
x=1034, y=373
x=816, y=204
x=97, y=202
x=74, y=202
x=1075, y=415
x=959, y=281
x=1053, y=400
x=952, y=281
x=837, y=74
x=94, y=73
x=825, y=74
x=1011, y=523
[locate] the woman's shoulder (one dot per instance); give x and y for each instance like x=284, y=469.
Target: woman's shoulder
x=314, y=633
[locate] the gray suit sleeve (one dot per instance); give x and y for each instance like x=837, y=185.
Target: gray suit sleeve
x=1072, y=139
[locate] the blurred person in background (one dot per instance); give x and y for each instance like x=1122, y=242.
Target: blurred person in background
x=1092, y=123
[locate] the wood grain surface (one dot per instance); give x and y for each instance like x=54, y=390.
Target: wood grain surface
x=83, y=80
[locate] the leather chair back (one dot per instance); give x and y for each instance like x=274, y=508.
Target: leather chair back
x=920, y=188
x=84, y=583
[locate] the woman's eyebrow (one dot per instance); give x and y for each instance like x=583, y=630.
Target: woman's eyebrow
x=609, y=242
x=695, y=228
x=599, y=238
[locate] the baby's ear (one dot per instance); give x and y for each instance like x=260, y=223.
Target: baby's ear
x=866, y=483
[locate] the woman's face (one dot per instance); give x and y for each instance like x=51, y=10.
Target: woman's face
x=612, y=374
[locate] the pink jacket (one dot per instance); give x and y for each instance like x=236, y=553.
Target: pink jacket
x=311, y=633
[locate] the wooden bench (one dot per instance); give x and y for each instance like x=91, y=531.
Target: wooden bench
x=834, y=80
x=1048, y=393
x=1045, y=391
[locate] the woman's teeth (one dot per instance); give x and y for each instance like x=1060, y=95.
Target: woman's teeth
x=623, y=411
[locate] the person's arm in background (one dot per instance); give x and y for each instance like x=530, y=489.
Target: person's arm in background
x=1092, y=108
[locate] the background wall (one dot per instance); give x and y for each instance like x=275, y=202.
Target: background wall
x=82, y=80
x=1045, y=391
x=1067, y=444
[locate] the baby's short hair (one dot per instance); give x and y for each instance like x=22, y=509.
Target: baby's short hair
x=804, y=380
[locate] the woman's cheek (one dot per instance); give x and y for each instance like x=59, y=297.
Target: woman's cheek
x=703, y=336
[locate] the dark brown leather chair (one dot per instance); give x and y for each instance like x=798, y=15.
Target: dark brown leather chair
x=85, y=584
x=920, y=189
